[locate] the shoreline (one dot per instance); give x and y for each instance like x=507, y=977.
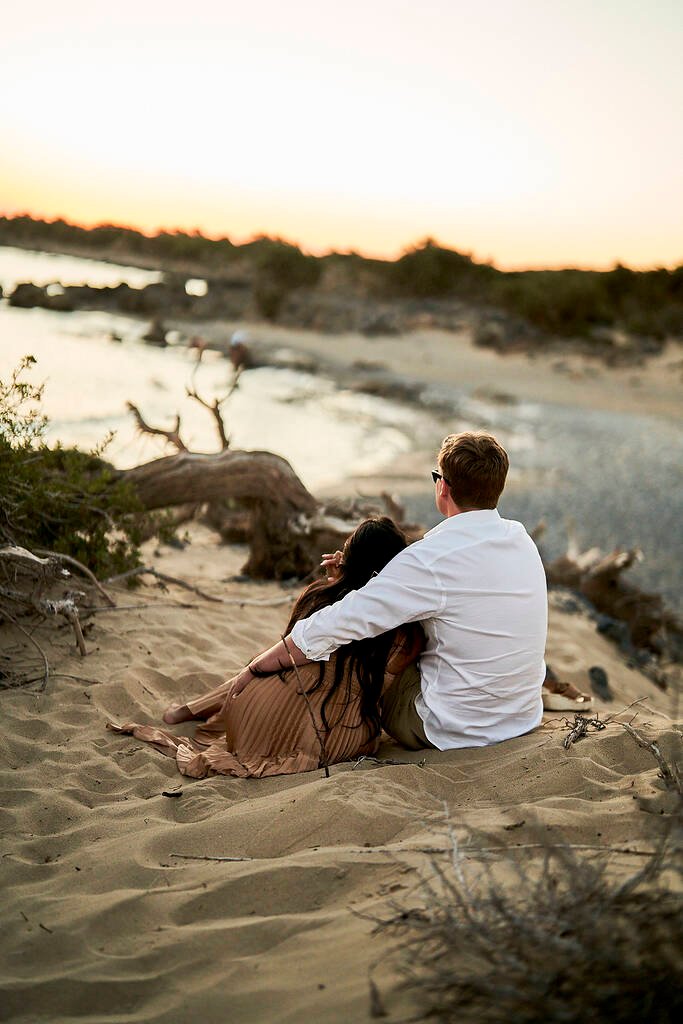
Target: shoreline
x=555, y=414
x=412, y=362
x=334, y=299
x=580, y=437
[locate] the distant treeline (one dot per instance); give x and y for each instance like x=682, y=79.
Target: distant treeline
x=564, y=302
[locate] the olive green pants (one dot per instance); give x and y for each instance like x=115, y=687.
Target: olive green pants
x=399, y=715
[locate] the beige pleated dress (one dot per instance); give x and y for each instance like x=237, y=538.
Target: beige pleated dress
x=272, y=728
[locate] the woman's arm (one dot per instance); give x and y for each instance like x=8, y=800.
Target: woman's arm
x=276, y=658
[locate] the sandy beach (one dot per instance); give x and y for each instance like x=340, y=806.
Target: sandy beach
x=111, y=911
x=451, y=359
x=111, y=914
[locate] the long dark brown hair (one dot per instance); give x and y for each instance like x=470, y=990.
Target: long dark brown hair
x=369, y=548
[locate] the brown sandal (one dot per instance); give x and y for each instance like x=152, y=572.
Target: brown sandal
x=561, y=696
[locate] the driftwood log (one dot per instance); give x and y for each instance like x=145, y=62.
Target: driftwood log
x=651, y=625
x=288, y=527
x=248, y=496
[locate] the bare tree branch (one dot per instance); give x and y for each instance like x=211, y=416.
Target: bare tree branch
x=46, y=674
x=172, y=436
x=215, y=409
x=82, y=568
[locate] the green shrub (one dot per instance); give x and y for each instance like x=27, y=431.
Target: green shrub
x=561, y=302
x=60, y=499
x=428, y=270
x=280, y=268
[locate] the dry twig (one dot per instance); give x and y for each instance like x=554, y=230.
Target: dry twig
x=215, y=407
x=191, y=856
x=380, y=762
x=46, y=674
x=320, y=733
x=143, y=570
x=82, y=568
x=669, y=772
x=172, y=435
x=579, y=728
x=31, y=576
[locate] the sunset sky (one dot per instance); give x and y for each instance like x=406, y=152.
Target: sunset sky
x=529, y=132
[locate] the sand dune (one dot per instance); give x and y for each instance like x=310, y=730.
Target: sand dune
x=103, y=920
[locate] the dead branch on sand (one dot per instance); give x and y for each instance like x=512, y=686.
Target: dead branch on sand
x=562, y=940
x=253, y=497
x=319, y=730
x=191, y=856
x=164, y=578
x=81, y=568
x=650, y=624
x=31, y=575
x=289, y=528
x=581, y=726
x=669, y=771
x=31, y=585
x=381, y=762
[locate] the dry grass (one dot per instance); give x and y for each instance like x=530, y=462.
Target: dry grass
x=570, y=940
x=562, y=939
x=568, y=944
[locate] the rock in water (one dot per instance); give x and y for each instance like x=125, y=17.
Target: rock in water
x=600, y=683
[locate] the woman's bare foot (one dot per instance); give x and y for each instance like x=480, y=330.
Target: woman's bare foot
x=176, y=713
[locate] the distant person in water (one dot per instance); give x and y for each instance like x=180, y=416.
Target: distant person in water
x=238, y=353
x=477, y=585
x=324, y=712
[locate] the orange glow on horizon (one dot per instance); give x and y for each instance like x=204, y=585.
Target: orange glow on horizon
x=527, y=134
x=346, y=233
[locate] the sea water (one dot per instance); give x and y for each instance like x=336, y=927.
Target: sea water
x=616, y=478
x=93, y=363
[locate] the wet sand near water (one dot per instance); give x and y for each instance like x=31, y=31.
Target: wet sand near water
x=595, y=451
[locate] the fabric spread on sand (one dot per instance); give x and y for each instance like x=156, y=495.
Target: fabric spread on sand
x=272, y=728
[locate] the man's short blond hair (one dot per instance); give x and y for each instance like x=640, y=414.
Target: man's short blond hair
x=475, y=467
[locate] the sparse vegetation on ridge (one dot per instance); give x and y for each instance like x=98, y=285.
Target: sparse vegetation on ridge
x=559, y=302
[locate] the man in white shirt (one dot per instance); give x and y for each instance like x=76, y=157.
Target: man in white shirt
x=477, y=585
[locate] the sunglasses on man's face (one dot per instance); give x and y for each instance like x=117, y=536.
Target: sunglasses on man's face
x=439, y=476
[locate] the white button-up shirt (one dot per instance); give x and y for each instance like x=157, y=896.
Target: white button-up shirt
x=477, y=585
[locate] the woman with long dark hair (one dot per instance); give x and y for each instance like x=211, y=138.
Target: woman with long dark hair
x=301, y=718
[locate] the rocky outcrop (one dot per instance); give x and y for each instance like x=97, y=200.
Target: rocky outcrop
x=332, y=313
x=28, y=296
x=242, y=296
x=224, y=299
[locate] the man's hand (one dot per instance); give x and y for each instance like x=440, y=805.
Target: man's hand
x=332, y=563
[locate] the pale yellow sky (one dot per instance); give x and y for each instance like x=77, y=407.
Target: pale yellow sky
x=527, y=132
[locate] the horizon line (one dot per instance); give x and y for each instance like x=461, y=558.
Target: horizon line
x=321, y=254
